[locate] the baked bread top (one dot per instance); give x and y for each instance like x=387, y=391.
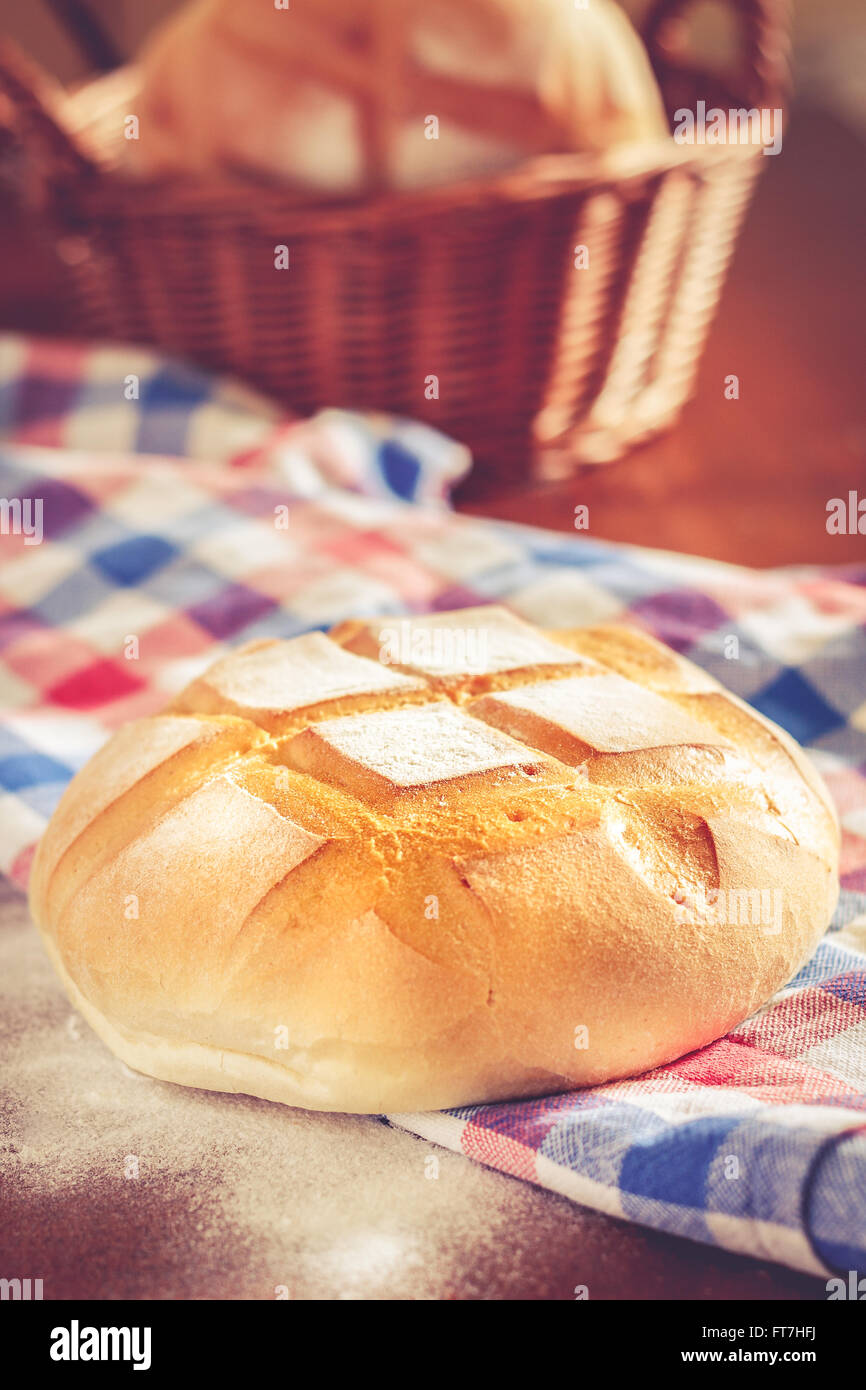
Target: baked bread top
x=423, y=862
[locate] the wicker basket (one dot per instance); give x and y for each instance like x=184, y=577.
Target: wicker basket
x=475, y=284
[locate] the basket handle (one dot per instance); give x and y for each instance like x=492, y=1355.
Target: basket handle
x=765, y=29
x=50, y=153
x=88, y=32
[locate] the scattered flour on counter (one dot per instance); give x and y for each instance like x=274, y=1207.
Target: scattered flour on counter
x=116, y=1185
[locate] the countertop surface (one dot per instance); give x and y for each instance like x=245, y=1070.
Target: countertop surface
x=116, y=1186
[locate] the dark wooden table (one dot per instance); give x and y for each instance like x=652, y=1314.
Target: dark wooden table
x=749, y=480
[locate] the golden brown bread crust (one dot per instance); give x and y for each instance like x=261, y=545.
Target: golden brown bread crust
x=383, y=871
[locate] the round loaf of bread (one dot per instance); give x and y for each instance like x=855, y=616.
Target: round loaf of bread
x=428, y=862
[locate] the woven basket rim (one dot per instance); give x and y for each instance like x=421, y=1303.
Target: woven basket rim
x=627, y=172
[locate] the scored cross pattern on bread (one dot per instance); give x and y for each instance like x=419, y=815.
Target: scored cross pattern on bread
x=572, y=718
x=266, y=681
x=495, y=835
x=404, y=750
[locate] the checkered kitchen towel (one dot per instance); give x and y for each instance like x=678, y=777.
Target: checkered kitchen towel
x=756, y=1143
